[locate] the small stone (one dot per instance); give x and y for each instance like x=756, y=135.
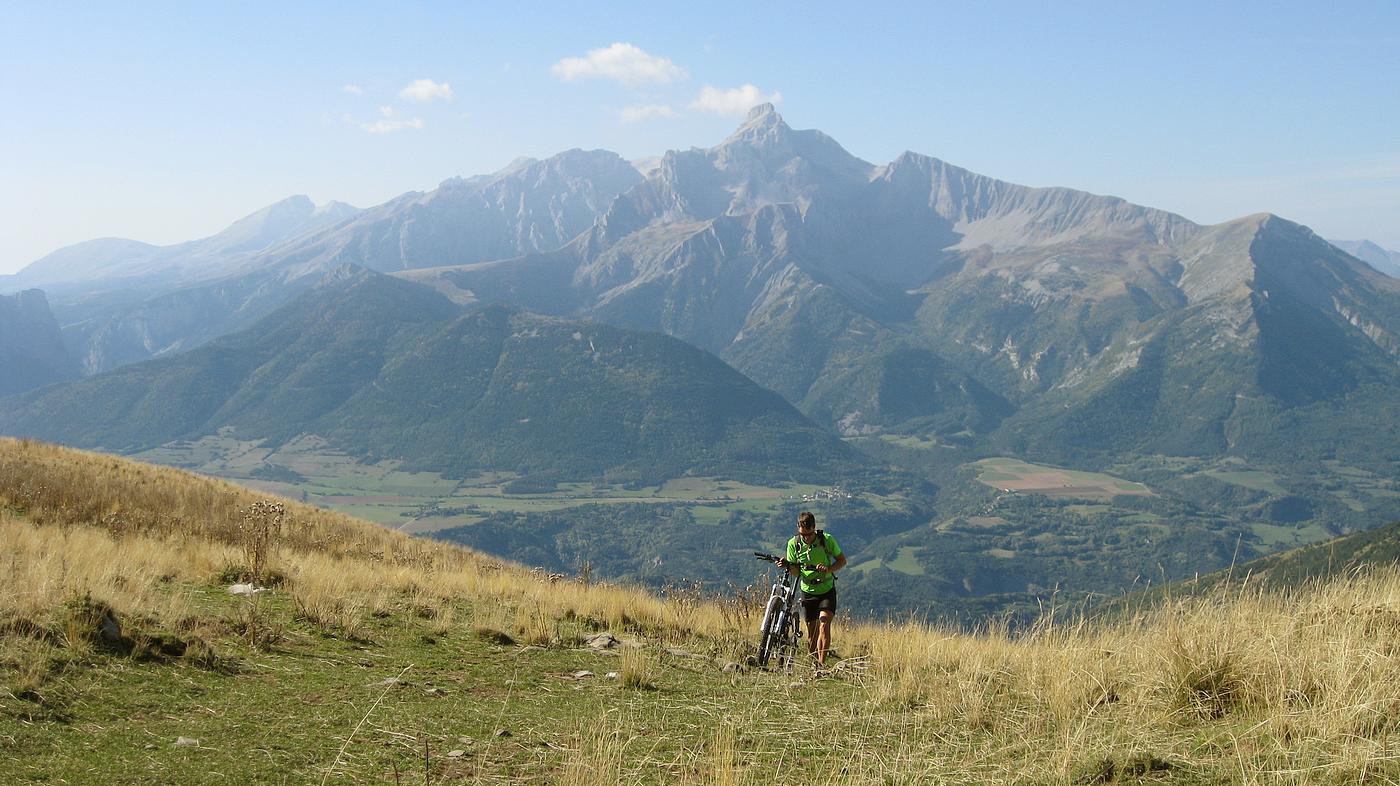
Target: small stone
x=503, y=733
x=457, y=754
x=733, y=666
x=465, y=740
x=150, y=746
x=245, y=589
x=579, y=675
x=612, y=675
x=435, y=692
x=186, y=742
x=602, y=641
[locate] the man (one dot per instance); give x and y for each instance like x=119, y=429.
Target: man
x=821, y=552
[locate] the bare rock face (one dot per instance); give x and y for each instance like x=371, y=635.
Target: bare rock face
x=32, y=353
x=530, y=206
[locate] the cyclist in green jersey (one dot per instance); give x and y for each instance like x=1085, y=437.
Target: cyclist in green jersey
x=819, y=550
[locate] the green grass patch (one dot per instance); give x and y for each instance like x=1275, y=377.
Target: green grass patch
x=398, y=702
x=912, y=442
x=1277, y=537
x=906, y=561
x=1256, y=480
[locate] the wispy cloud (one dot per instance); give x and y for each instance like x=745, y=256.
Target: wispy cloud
x=636, y=114
x=734, y=101
x=390, y=121
x=354, y=90
x=425, y=90
x=621, y=62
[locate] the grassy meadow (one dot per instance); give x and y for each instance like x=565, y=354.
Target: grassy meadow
x=1054, y=482
x=380, y=658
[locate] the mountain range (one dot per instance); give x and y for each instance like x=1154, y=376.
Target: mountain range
x=918, y=297
x=915, y=310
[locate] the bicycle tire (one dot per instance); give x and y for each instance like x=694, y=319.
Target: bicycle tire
x=783, y=646
x=785, y=643
x=766, y=631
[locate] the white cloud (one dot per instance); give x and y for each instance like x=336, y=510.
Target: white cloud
x=424, y=90
x=354, y=90
x=624, y=63
x=636, y=114
x=389, y=121
x=735, y=101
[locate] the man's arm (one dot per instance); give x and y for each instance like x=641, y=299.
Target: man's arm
x=835, y=566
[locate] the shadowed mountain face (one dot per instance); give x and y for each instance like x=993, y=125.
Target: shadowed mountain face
x=387, y=369
x=31, y=350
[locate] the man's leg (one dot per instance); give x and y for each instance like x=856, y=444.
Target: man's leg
x=823, y=636
x=813, y=627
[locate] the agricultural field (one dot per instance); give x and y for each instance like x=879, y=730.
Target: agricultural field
x=1019, y=476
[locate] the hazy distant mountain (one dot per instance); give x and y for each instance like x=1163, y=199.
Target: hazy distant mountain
x=268, y=258
x=1388, y=262
x=387, y=369
x=109, y=263
x=31, y=350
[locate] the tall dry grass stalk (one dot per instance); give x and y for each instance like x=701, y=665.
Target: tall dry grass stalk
x=600, y=758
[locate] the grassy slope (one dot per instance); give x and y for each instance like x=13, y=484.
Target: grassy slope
x=289, y=688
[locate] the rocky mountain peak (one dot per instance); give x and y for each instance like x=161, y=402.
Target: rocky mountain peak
x=763, y=124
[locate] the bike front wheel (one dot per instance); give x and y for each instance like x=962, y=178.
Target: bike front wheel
x=768, y=634
x=783, y=645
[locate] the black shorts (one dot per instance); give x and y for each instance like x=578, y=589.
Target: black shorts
x=814, y=605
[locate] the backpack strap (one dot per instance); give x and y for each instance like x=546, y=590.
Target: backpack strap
x=826, y=546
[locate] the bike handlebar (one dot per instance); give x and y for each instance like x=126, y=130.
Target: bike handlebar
x=782, y=562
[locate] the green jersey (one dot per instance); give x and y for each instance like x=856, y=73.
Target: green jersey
x=823, y=551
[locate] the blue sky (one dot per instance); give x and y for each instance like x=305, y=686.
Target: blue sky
x=166, y=122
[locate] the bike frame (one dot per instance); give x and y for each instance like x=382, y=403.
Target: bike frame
x=779, y=634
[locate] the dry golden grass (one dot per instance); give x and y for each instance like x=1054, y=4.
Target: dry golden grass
x=1244, y=687
x=120, y=531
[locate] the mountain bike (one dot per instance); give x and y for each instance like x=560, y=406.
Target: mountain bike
x=779, y=634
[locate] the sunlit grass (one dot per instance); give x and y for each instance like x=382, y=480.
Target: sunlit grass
x=1242, y=686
